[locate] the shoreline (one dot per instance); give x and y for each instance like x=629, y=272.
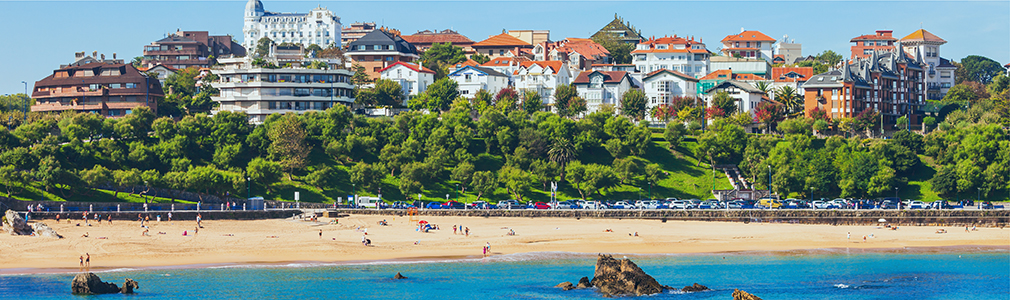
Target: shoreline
x=962, y=249
x=229, y=243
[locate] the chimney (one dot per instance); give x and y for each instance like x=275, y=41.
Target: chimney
x=741, y=30
x=103, y=57
x=94, y=54
x=113, y=55
x=79, y=55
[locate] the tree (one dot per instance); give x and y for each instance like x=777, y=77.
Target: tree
x=367, y=176
x=577, y=106
x=588, y=179
x=126, y=178
x=829, y=57
x=626, y=168
x=633, y=104
x=619, y=50
x=137, y=62
x=263, y=47
x=979, y=69
x=479, y=58
x=515, y=180
x=769, y=113
x=506, y=99
x=483, y=183
x=966, y=92
x=11, y=177
x=288, y=146
x=724, y=102
x=360, y=77
x=928, y=122
x=944, y=182
x=796, y=126
x=724, y=144
x=463, y=172
x=387, y=93
x=438, y=97
x=674, y=134
x=763, y=86
x=532, y=102
x=664, y=112
x=789, y=97
x=821, y=125
x=264, y=172
x=563, y=96
x=441, y=55
x=481, y=101
x=322, y=178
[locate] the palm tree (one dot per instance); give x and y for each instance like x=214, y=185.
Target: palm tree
x=788, y=96
x=763, y=86
x=562, y=151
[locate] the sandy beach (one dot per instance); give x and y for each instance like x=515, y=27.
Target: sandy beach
x=122, y=244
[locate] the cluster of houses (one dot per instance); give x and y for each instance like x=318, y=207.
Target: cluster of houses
x=883, y=73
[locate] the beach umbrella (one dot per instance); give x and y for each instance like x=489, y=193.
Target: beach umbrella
x=422, y=222
x=881, y=220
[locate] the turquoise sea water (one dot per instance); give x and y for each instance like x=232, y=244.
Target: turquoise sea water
x=826, y=275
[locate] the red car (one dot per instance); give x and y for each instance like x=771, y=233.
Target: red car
x=541, y=205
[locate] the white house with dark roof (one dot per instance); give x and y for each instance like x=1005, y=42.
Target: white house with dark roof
x=661, y=86
x=925, y=47
x=474, y=78
x=603, y=87
x=747, y=96
x=379, y=49
x=413, y=78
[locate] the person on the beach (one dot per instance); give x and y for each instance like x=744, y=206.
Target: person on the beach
x=848, y=235
x=57, y=218
x=364, y=241
x=320, y=233
x=196, y=230
x=453, y=228
x=146, y=232
x=110, y=218
x=199, y=220
x=488, y=246
x=468, y=231
x=864, y=239
x=170, y=216
x=87, y=261
x=85, y=217
x=485, y=251
x=99, y=218
x=85, y=234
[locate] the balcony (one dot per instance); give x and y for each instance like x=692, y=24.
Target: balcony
x=174, y=52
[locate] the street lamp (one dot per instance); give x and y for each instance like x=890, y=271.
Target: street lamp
x=248, y=188
x=27, y=99
x=769, y=180
x=650, y=190
x=979, y=195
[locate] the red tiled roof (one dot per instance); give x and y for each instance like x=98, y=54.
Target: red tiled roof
x=740, y=48
x=555, y=65
x=608, y=76
x=728, y=74
x=675, y=73
x=585, y=47
x=674, y=40
x=749, y=35
x=428, y=37
x=414, y=67
x=503, y=39
x=872, y=37
x=468, y=62
x=504, y=61
x=923, y=35
x=778, y=74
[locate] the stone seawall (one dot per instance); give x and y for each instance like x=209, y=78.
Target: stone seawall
x=835, y=217
x=176, y=215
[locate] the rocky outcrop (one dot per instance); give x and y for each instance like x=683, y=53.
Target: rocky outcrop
x=398, y=276
x=695, y=288
x=584, y=283
x=41, y=229
x=565, y=285
x=14, y=224
x=741, y=295
x=129, y=286
x=90, y=284
x=622, y=278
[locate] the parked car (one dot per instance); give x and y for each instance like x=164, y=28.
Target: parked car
x=679, y=204
x=540, y=205
x=592, y=205
x=511, y=204
x=916, y=205
x=710, y=205
x=567, y=204
x=989, y=205
x=820, y=204
x=622, y=205
x=434, y=205
x=647, y=204
x=941, y=204
x=770, y=203
x=480, y=205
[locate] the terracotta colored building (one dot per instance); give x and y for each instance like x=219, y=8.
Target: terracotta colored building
x=185, y=49
x=111, y=88
x=425, y=39
x=891, y=83
x=499, y=45
x=866, y=44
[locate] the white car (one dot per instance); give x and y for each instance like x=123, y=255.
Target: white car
x=916, y=205
x=647, y=204
x=820, y=204
x=592, y=205
x=679, y=204
x=622, y=205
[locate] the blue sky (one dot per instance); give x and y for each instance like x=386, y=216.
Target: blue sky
x=41, y=35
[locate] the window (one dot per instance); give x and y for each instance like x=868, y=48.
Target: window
x=759, y=44
x=361, y=47
x=467, y=77
x=501, y=52
x=391, y=47
x=376, y=47
x=389, y=58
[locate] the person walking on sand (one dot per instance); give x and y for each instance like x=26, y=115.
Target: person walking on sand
x=82, y=264
x=320, y=234
x=57, y=218
x=864, y=239
x=110, y=219
x=468, y=231
x=87, y=262
x=170, y=216
x=199, y=220
x=488, y=246
x=453, y=228
x=848, y=235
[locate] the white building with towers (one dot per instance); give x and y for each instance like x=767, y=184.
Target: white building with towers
x=319, y=26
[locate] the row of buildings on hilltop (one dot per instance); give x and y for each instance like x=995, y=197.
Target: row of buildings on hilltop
x=882, y=73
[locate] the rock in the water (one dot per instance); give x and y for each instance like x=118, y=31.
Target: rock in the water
x=741, y=295
x=14, y=224
x=695, y=288
x=90, y=284
x=584, y=283
x=398, y=276
x=623, y=278
x=41, y=229
x=128, y=286
x=565, y=285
